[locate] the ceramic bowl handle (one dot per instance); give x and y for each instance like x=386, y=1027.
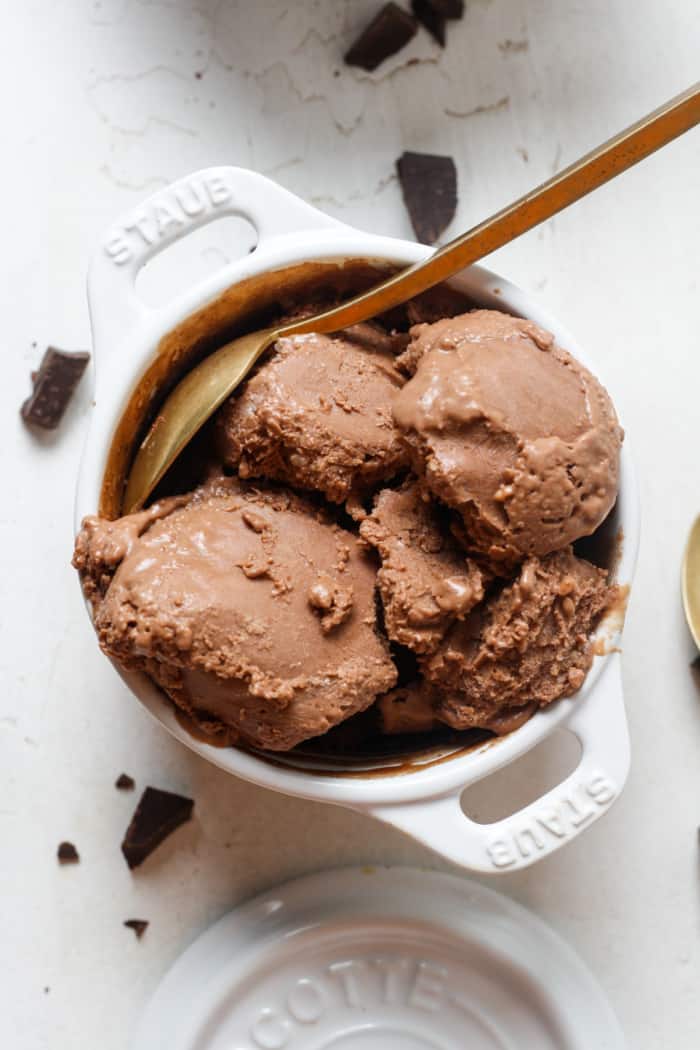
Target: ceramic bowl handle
x=168, y=216
x=554, y=819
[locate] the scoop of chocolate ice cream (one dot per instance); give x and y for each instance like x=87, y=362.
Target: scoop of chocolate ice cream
x=508, y=429
x=317, y=414
x=526, y=645
x=249, y=608
x=425, y=581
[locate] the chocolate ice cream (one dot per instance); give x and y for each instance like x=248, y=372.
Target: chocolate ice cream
x=317, y=415
x=409, y=709
x=252, y=611
x=527, y=644
x=509, y=430
x=419, y=708
x=483, y=450
x=425, y=581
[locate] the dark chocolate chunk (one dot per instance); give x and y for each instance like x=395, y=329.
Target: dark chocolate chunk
x=384, y=36
x=54, y=384
x=124, y=782
x=429, y=185
x=157, y=815
x=448, y=8
x=139, y=926
x=433, y=20
x=67, y=853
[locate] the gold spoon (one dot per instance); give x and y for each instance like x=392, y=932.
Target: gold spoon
x=203, y=389
x=690, y=581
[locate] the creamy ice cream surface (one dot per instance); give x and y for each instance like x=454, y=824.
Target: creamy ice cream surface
x=253, y=611
x=510, y=431
x=472, y=453
x=317, y=415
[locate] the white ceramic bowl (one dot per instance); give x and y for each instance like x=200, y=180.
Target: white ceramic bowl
x=423, y=799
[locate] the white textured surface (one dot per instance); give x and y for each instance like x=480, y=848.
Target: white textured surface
x=383, y=959
x=102, y=103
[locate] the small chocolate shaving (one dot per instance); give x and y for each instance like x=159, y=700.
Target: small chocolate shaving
x=139, y=926
x=124, y=782
x=54, y=384
x=67, y=853
x=386, y=34
x=157, y=815
x=433, y=19
x=429, y=186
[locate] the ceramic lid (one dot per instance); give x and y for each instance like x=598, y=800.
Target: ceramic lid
x=379, y=959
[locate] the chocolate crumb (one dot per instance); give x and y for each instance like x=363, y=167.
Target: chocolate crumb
x=198, y=75
x=67, y=853
x=433, y=19
x=386, y=34
x=124, y=782
x=429, y=186
x=54, y=384
x=513, y=46
x=157, y=815
x=139, y=926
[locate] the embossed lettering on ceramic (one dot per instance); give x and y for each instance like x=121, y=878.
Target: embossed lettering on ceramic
x=305, y=1001
x=352, y=986
x=542, y=828
x=171, y=210
x=394, y=975
x=271, y=1030
x=349, y=972
x=428, y=992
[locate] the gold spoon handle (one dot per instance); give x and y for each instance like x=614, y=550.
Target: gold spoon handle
x=204, y=388
x=586, y=174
